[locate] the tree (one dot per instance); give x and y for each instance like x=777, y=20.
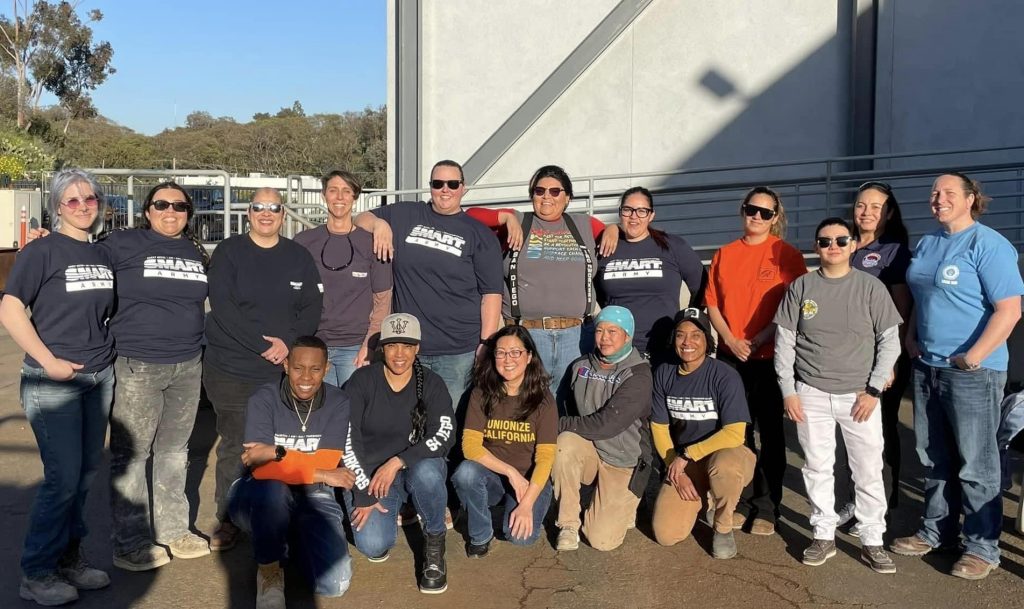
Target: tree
x=47, y=46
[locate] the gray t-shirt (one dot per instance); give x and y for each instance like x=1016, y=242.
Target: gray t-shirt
x=836, y=322
x=552, y=270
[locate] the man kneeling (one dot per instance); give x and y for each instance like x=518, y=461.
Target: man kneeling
x=699, y=418
x=294, y=433
x=607, y=445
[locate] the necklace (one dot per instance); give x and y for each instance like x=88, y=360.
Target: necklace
x=302, y=421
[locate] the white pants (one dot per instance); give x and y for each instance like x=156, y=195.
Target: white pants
x=864, y=445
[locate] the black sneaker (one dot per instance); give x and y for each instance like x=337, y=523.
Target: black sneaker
x=434, y=578
x=819, y=551
x=478, y=551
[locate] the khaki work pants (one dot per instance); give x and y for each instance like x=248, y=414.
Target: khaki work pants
x=724, y=472
x=613, y=509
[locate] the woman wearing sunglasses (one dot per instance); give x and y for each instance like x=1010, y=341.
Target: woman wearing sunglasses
x=549, y=280
x=509, y=442
x=883, y=251
x=837, y=340
x=264, y=293
x=67, y=381
x=356, y=286
x=967, y=289
x=645, y=274
x=747, y=280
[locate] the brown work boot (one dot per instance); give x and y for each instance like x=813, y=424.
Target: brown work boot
x=972, y=567
x=224, y=537
x=910, y=546
x=738, y=520
x=761, y=526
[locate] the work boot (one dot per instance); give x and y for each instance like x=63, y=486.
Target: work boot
x=142, y=559
x=73, y=567
x=48, y=590
x=972, y=567
x=270, y=586
x=224, y=537
x=723, y=546
x=913, y=545
x=568, y=539
x=189, y=545
x=434, y=578
x=877, y=559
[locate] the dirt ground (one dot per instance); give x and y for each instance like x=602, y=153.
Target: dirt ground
x=767, y=572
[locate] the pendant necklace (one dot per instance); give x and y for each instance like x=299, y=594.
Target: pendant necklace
x=298, y=416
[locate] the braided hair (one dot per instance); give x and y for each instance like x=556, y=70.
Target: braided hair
x=419, y=412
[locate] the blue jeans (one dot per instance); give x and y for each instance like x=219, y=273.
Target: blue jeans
x=558, y=349
x=424, y=483
x=341, y=359
x=153, y=414
x=454, y=370
x=956, y=414
x=69, y=420
x=479, y=488
x=301, y=522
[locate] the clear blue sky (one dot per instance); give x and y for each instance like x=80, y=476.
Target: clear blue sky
x=238, y=57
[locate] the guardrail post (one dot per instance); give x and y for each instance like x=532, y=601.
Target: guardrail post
x=130, y=205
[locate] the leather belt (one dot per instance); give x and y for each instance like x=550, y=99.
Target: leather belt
x=547, y=323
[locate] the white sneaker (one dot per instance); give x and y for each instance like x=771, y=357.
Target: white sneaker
x=568, y=539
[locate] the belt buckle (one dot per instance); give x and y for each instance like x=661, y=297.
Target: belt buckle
x=544, y=323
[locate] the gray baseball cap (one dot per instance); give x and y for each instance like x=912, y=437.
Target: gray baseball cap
x=400, y=328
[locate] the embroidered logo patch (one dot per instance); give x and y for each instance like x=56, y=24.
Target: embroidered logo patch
x=871, y=260
x=808, y=309
x=950, y=274
x=398, y=325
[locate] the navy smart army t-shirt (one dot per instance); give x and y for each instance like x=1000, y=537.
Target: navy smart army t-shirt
x=698, y=404
x=886, y=260
x=443, y=265
x=161, y=295
x=646, y=279
x=269, y=420
x=69, y=286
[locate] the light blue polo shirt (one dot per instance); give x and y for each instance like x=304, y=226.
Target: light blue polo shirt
x=956, y=279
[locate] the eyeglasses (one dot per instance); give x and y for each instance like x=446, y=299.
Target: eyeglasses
x=639, y=212
x=826, y=242
x=554, y=191
x=451, y=184
x=351, y=254
x=274, y=208
x=89, y=201
x=511, y=353
x=752, y=210
x=179, y=206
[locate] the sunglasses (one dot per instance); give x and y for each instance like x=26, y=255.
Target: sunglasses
x=752, y=210
x=451, y=184
x=639, y=212
x=179, y=206
x=90, y=201
x=274, y=208
x=826, y=242
x=554, y=191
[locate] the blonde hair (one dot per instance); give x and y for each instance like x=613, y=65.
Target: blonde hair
x=779, y=228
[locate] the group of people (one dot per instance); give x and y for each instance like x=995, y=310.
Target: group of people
x=554, y=352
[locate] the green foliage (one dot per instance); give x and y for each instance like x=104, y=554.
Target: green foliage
x=24, y=151
x=11, y=167
x=47, y=46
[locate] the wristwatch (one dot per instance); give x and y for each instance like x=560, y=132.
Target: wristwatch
x=875, y=393
x=279, y=452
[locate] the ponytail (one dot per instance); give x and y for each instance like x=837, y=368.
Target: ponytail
x=419, y=412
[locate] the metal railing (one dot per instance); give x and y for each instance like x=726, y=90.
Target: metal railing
x=701, y=205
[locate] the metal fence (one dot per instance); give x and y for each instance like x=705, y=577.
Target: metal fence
x=702, y=205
